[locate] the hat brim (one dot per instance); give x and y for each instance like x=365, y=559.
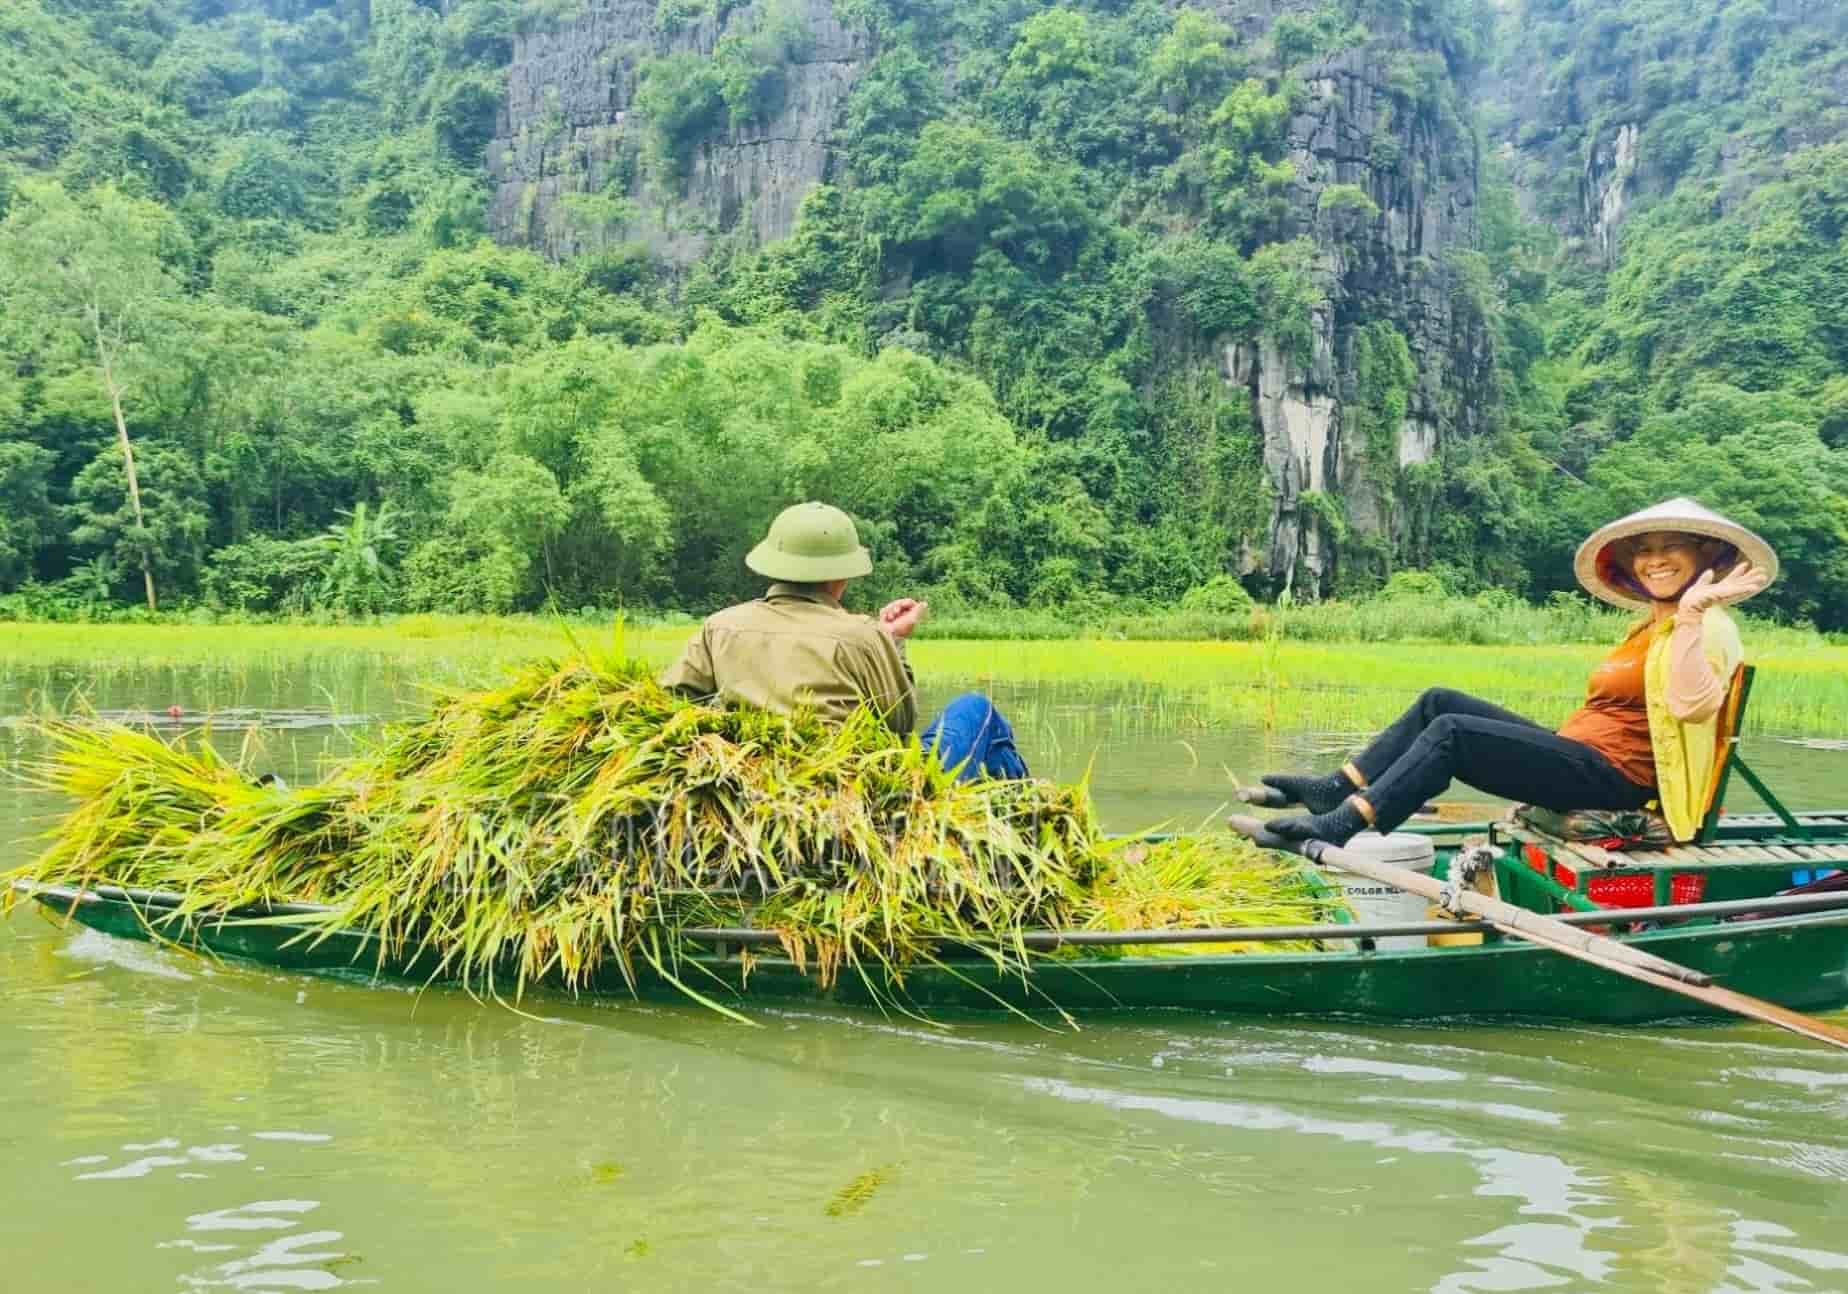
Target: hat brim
x=1592, y=560
x=773, y=563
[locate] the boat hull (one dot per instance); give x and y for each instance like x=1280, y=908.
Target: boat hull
x=1800, y=962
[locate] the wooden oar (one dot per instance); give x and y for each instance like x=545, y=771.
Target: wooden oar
x=1548, y=933
x=1726, y=999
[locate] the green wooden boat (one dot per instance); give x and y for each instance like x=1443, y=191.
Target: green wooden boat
x=1796, y=957
x=1713, y=906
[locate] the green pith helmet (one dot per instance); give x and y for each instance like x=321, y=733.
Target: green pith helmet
x=811, y=543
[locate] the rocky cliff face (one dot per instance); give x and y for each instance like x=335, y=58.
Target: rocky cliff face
x=570, y=128
x=1597, y=109
x=1389, y=265
x=1575, y=160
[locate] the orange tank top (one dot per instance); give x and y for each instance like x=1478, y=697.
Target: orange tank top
x=1614, y=721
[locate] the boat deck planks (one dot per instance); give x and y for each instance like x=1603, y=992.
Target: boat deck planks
x=1767, y=848
x=1596, y=855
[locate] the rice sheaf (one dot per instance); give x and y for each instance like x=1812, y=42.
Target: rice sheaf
x=580, y=814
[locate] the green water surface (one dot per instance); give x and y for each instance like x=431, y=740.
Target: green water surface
x=171, y=1125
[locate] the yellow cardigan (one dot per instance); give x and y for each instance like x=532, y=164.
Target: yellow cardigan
x=1687, y=754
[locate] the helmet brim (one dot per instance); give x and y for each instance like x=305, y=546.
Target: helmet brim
x=772, y=563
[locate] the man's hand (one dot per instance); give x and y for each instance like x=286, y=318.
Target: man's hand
x=1741, y=581
x=901, y=617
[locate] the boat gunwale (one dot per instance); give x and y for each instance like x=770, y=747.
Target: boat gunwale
x=64, y=900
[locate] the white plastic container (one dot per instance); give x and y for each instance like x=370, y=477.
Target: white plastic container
x=1376, y=903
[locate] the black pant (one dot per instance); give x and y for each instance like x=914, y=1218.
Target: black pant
x=1450, y=734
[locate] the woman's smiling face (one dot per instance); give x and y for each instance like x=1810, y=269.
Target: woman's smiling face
x=1663, y=562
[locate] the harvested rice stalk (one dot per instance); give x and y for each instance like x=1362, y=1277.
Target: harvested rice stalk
x=1203, y=883
x=580, y=814
x=140, y=803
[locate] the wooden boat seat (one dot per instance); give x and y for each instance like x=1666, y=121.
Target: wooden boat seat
x=1606, y=828
x=1753, y=839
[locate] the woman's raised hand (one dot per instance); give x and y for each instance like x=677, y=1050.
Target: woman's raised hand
x=1741, y=581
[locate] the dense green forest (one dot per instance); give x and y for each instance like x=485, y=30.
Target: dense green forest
x=248, y=243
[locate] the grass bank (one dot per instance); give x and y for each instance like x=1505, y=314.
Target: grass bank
x=1279, y=682
x=1486, y=619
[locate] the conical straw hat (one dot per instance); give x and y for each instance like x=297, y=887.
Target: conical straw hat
x=1605, y=576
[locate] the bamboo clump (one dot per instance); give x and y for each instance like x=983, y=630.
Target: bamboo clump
x=580, y=815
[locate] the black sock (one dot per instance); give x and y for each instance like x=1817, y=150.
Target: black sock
x=1338, y=826
x=1317, y=792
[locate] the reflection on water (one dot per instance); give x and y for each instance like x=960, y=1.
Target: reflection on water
x=298, y=1261
x=97, y=949
x=1529, y=1254
x=464, y=1146
x=1574, y=1224
x=221, y=1153
x=231, y=1127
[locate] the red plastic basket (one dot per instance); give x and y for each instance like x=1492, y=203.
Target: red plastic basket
x=1639, y=891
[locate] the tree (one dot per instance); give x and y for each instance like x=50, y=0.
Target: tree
x=1194, y=57
x=1756, y=456
x=93, y=272
x=356, y=577
x=1057, y=44
x=160, y=527
x=25, y=509
x=265, y=180
x=504, y=519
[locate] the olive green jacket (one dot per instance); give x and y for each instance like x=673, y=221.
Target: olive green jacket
x=792, y=647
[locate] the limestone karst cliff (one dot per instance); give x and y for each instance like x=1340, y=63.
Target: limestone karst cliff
x=1387, y=268
x=1085, y=307
x=571, y=127
x=1598, y=107
x=1382, y=184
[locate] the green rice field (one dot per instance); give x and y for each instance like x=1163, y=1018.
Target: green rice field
x=1801, y=689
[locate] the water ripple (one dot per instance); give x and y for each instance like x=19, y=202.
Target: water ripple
x=292, y=1262
x=1382, y=1069
x=99, y=949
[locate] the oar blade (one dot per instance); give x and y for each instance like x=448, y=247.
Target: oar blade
x=1725, y=999
x=1783, y=1017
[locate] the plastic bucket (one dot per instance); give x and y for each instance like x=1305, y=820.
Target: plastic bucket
x=1376, y=903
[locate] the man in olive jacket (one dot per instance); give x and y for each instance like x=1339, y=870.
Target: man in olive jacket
x=797, y=646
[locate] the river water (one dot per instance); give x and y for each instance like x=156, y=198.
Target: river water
x=171, y=1125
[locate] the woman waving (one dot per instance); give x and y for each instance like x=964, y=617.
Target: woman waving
x=1647, y=732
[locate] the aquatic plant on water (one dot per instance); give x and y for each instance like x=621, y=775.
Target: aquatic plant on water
x=581, y=815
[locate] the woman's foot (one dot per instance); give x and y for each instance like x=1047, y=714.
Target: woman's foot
x=1317, y=792
x=1338, y=826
